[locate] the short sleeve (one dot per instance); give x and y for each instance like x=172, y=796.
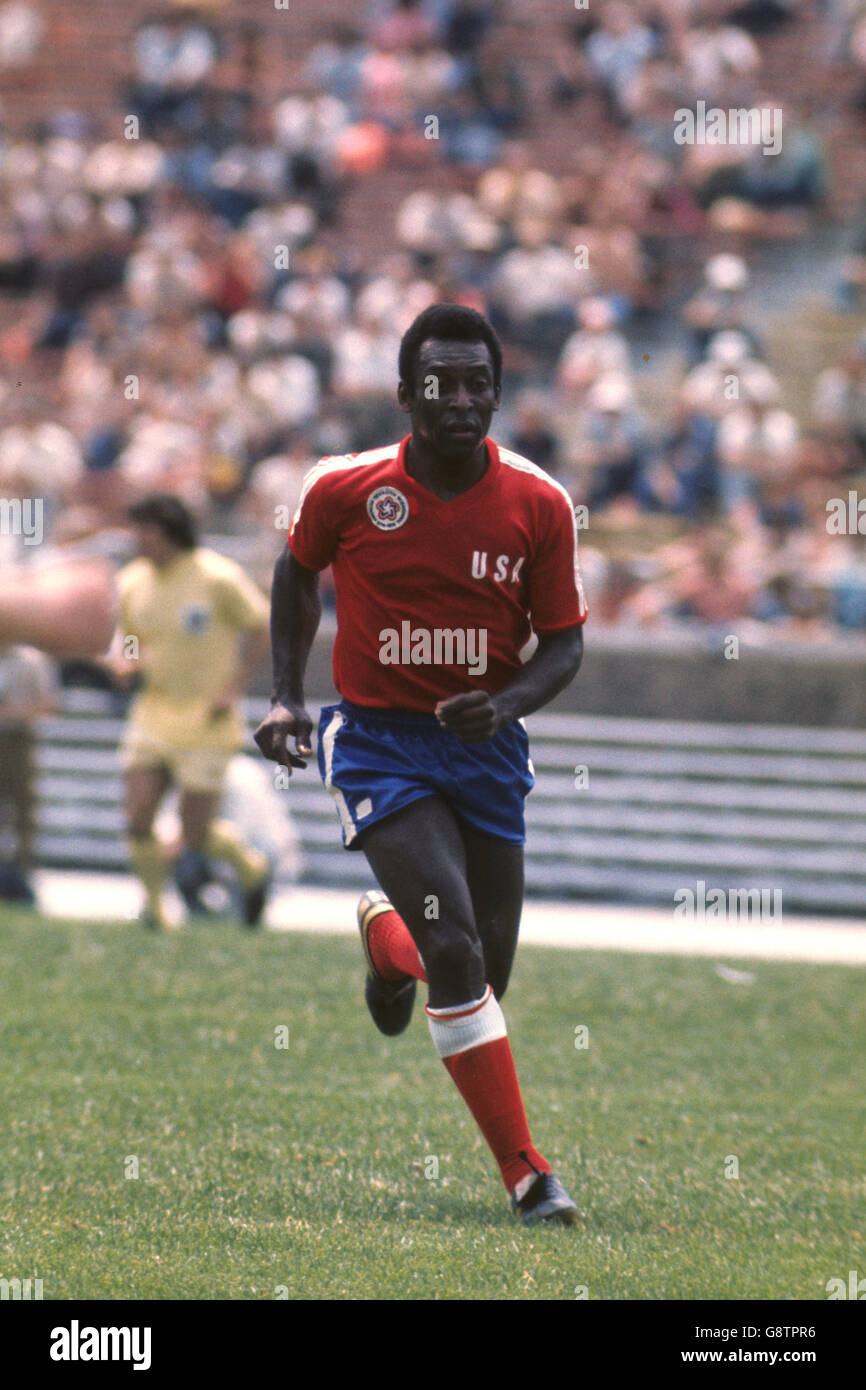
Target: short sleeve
x=125, y=582
x=241, y=602
x=555, y=590
x=313, y=535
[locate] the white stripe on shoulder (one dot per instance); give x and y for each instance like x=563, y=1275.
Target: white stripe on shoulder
x=340, y=463
x=523, y=465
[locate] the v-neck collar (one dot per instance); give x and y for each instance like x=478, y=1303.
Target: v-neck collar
x=430, y=498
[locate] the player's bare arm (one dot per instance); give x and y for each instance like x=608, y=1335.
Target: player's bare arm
x=253, y=650
x=477, y=717
x=122, y=670
x=296, y=610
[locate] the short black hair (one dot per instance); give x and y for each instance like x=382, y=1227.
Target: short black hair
x=451, y=323
x=172, y=516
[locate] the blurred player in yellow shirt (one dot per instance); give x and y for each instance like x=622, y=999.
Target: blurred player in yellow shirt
x=194, y=628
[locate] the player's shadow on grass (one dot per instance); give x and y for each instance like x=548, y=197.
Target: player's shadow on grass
x=447, y=1209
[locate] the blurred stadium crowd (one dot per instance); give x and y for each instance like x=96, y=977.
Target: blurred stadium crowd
x=205, y=321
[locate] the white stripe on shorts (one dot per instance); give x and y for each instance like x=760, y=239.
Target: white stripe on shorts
x=350, y=830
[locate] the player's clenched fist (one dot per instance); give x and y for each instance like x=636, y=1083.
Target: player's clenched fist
x=473, y=717
x=285, y=722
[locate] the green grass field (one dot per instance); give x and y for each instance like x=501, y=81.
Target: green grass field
x=305, y=1167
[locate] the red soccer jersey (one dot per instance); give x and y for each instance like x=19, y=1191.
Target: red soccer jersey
x=435, y=598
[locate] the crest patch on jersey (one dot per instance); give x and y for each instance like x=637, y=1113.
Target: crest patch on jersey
x=387, y=508
x=195, y=617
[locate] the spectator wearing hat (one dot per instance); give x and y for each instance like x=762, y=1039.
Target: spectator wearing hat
x=615, y=444
x=756, y=443
x=535, y=289
x=173, y=56
x=719, y=305
x=22, y=29
x=616, y=51
x=716, y=386
x=839, y=400
x=597, y=349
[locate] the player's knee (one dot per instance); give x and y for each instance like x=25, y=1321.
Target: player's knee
x=453, y=957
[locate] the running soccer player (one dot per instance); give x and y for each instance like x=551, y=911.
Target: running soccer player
x=447, y=552
x=195, y=628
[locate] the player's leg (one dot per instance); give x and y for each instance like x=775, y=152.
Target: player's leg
x=197, y=809
x=206, y=835
x=495, y=877
x=419, y=857
x=23, y=780
x=144, y=788
x=18, y=795
x=198, y=806
x=417, y=851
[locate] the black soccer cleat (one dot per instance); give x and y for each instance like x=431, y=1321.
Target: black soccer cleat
x=191, y=873
x=390, y=1001
x=545, y=1200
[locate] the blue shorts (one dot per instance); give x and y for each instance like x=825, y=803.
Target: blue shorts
x=375, y=762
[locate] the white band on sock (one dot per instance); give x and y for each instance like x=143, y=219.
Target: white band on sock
x=463, y=1026
x=452, y=1010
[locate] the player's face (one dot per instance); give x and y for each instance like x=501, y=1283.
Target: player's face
x=151, y=543
x=454, y=397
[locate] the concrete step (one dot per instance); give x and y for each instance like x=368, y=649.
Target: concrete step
x=668, y=803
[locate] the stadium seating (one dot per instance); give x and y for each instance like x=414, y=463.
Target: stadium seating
x=667, y=805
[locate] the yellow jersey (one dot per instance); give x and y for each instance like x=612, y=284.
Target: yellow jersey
x=187, y=619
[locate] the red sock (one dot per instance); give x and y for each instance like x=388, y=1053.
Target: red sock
x=392, y=948
x=473, y=1044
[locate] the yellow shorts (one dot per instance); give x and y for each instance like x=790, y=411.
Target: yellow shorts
x=190, y=769
x=193, y=749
